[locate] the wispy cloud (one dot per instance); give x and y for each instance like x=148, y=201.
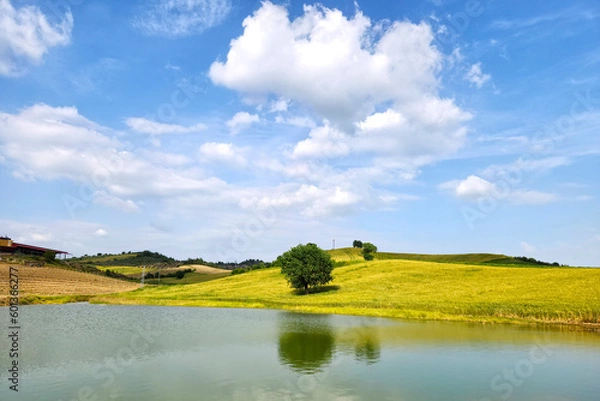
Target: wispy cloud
x=567, y=22
x=93, y=77
x=241, y=121
x=180, y=18
x=26, y=35
x=475, y=188
x=476, y=76
x=570, y=14
x=150, y=127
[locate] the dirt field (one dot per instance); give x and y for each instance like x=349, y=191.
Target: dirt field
x=54, y=281
x=205, y=269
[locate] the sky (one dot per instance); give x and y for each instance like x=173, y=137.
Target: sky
x=230, y=129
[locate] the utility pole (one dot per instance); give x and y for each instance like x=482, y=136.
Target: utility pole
x=143, y=274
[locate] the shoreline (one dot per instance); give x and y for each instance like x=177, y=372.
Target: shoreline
x=401, y=314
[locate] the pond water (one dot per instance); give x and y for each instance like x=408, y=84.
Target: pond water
x=99, y=352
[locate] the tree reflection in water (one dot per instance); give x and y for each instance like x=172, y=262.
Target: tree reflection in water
x=306, y=342
x=367, y=347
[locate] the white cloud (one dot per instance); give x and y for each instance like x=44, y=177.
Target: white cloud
x=313, y=201
x=475, y=76
x=323, y=142
x=26, y=35
x=279, y=105
x=241, y=121
x=455, y=57
x=528, y=247
x=221, y=152
x=100, y=233
x=328, y=62
x=67, y=145
x=475, y=188
x=180, y=18
x=472, y=188
x=374, y=86
x=165, y=159
x=150, y=127
x=428, y=129
x=114, y=202
x=297, y=121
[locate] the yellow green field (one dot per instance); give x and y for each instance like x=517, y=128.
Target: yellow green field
x=200, y=274
x=126, y=270
x=406, y=289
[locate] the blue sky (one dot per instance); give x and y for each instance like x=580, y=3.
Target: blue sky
x=234, y=129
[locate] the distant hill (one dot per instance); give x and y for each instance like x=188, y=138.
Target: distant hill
x=127, y=259
x=148, y=258
x=354, y=254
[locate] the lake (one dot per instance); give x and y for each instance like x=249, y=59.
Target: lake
x=99, y=352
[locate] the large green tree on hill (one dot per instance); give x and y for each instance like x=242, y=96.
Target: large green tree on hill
x=369, y=251
x=306, y=266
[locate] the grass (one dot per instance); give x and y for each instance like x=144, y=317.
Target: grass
x=105, y=258
x=126, y=270
x=355, y=255
x=403, y=288
x=189, y=278
x=200, y=274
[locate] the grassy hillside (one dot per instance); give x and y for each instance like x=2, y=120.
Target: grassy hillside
x=405, y=289
x=56, y=285
x=200, y=273
x=127, y=259
x=354, y=254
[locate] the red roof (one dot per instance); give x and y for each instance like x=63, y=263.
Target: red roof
x=36, y=248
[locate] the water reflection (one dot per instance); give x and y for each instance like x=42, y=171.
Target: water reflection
x=367, y=347
x=234, y=354
x=306, y=343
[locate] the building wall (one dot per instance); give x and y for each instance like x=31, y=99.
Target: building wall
x=5, y=242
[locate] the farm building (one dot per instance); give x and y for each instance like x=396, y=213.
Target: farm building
x=8, y=246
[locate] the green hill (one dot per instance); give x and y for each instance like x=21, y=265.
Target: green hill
x=406, y=289
x=127, y=259
x=354, y=254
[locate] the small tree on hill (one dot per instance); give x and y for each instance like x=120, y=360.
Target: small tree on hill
x=357, y=244
x=49, y=256
x=369, y=251
x=306, y=266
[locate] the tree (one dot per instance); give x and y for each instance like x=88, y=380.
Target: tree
x=369, y=251
x=49, y=256
x=357, y=244
x=306, y=266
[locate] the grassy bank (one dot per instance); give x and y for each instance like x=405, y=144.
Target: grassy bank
x=47, y=299
x=405, y=289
